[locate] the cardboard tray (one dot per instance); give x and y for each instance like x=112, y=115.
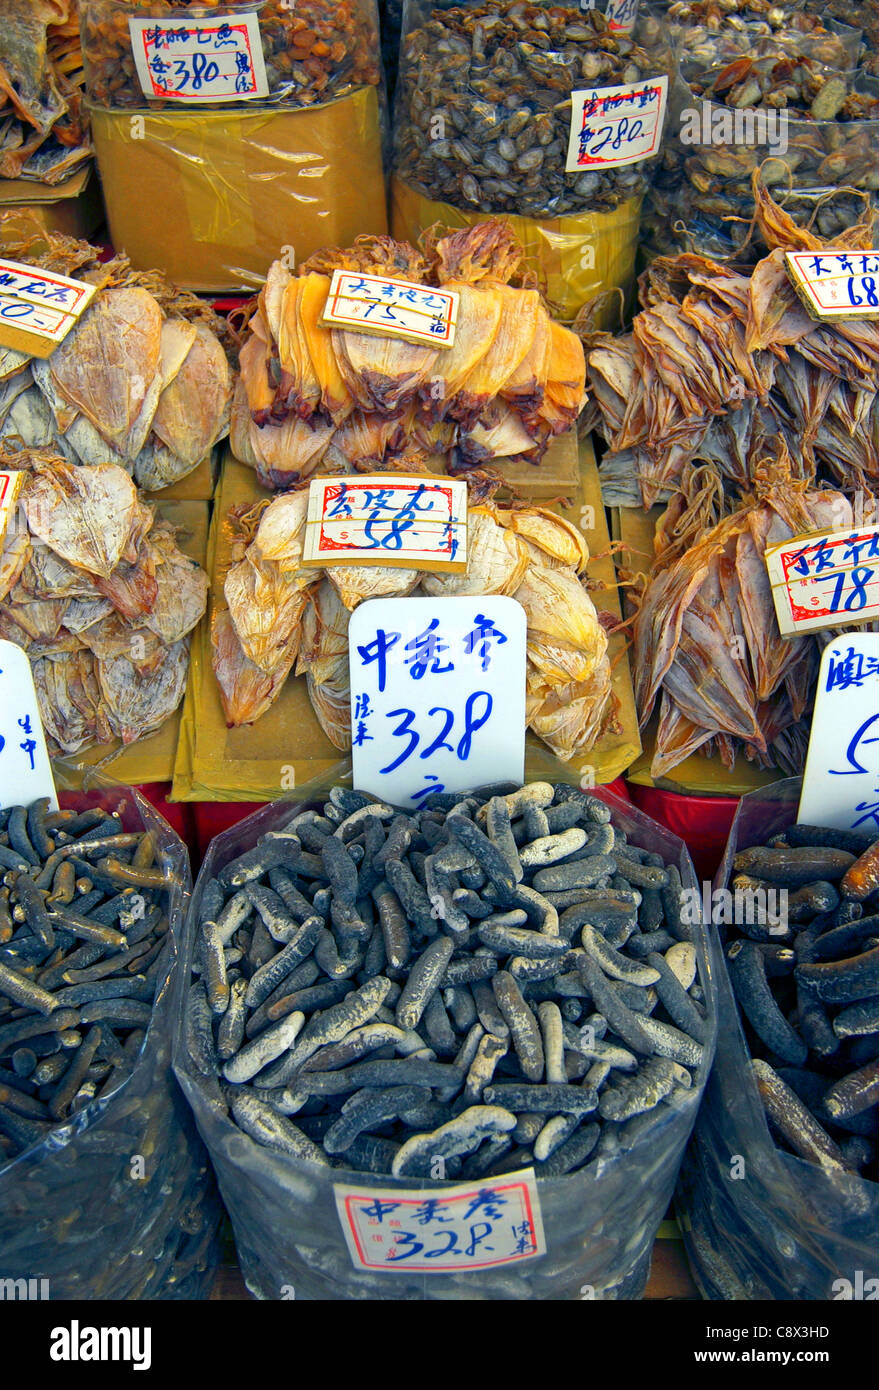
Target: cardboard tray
x=695, y=776
x=73, y=208
x=150, y=759
x=287, y=746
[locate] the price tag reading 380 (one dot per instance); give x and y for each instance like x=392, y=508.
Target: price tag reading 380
x=611, y=126
x=437, y=695
x=825, y=580
x=219, y=59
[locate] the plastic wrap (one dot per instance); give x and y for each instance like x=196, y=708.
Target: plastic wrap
x=770, y=1225
x=208, y=196
x=483, y=107
x=313, y=50
x=600, y=1223
x=77, y=1211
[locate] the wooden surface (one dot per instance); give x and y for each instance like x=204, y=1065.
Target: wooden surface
x=669, y=1276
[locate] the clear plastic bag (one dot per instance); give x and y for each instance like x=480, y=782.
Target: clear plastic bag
x=758, y=1222
x=600, y=1222
x=313, y=51
x=80, y=1215
x=483, y=106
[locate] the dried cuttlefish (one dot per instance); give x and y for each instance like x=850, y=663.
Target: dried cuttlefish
x=720, y=358
x=278, y=613
x=101, y=598
x=43, y=128
x=312, y=397
x=706, y=642
x=142, y=380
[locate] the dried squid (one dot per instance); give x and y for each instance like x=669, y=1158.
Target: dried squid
x=102, y=600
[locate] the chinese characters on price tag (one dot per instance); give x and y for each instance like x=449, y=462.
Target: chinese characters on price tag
x=611, y=126
x=217, y=59
x=387, y=519
x=391, y=308
x=432, y=1232
x=38, y=308
x=829, y=580
x=841, y=782
x=437, y=695
x=836, y=285
x=25, y=771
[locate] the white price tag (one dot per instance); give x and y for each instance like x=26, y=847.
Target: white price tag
x=437, y=695
x=836, y=285
x=37, y=307
x=391, y=308
x=195, y=60
x=611, y=126
x=25, y=770
x=442, y=1230
x=621, y=15
x=827, y=579
x=387, y=519
x=841, y=782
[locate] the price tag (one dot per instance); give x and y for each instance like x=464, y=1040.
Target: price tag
x=611, y=126
x=25, y=770
x=835, y=285
x=621, y=15
x=387, y=519
x=391, y=308
x=442, y=1230
x=217, y=59
x=827, y=579
x=437, y=695
x=841, y=782
x=38, y=308
x=11, y=485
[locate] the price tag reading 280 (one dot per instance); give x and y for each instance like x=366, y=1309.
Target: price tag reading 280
x=437, y=695
x=611, y=126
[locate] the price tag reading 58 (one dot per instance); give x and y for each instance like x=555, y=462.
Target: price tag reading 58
x=437, y=695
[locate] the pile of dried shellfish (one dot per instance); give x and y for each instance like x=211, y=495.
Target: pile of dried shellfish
x=142, y=380
x=310, y=396
x=43, y=128
x=718, y=358
x=95, y=590
x=765, y=86
x=313, y=51
x=484, y=105
x=280, y=614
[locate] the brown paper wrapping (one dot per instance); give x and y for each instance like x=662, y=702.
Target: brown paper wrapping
x=73, y=208
x=150, y=759
x=696, y=775
x=210, y=197
x=575, y=258
x=287, y=746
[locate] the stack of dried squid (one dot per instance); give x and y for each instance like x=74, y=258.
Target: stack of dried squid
x=97, y=593
x=706, y=641
x=142, y=381
x=280, y=614
x=718, y=358
x=312, y=396
x=43, y=128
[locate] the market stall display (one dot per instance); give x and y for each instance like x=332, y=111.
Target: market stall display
x=475, y=1053
x=89, y=983
x=43, y=128
x=97, y=593
x=316, y=397
x=793, y=1089
x=141, y=381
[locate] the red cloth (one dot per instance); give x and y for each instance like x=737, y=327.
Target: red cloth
x=702, y=822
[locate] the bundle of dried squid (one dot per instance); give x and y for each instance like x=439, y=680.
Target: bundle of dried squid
x=311, y=396
x=142, y=381
x=43, y=129
x=718, y=358
x=706, y=640
x=95, y=590
x=281, y=615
